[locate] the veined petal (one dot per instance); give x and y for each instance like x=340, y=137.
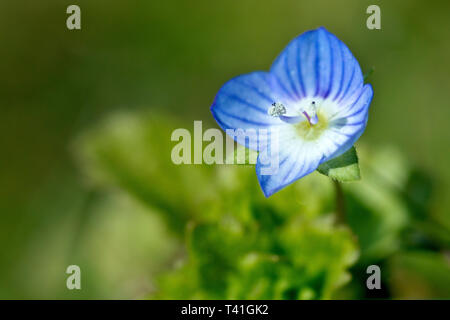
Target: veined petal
x=295, y=160
x=348, y=117
x=243, y=103
x=316, y=63
x=346, y=125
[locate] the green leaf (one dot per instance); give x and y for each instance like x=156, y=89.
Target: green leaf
x=343, y=168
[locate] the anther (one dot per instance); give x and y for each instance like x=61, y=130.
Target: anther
x=277, y=109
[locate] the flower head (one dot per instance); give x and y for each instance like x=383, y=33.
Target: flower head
x=314, y=96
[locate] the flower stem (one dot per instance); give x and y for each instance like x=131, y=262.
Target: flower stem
x=340, y=203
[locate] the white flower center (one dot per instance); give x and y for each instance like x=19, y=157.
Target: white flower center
x=309, y=118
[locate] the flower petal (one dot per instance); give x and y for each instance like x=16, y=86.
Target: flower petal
x=316, y=63
x=347, y=125
x=243, y=103
x=295, y=160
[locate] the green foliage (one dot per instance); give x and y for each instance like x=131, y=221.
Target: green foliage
x=343, y=168
x=231, y=260
x=374, y=208
x=240, y=245
x=133, y=153
x=418, y=274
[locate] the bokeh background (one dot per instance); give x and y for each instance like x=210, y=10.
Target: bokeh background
x=86, y=177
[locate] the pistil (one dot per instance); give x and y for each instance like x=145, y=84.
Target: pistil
x=311, y=114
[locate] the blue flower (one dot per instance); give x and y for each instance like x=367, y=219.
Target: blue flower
x=314, y=96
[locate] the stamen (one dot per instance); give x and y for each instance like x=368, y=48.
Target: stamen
x=307, y=117
x=277, y=109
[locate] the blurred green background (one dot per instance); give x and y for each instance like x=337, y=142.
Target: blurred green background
x=86, y=177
